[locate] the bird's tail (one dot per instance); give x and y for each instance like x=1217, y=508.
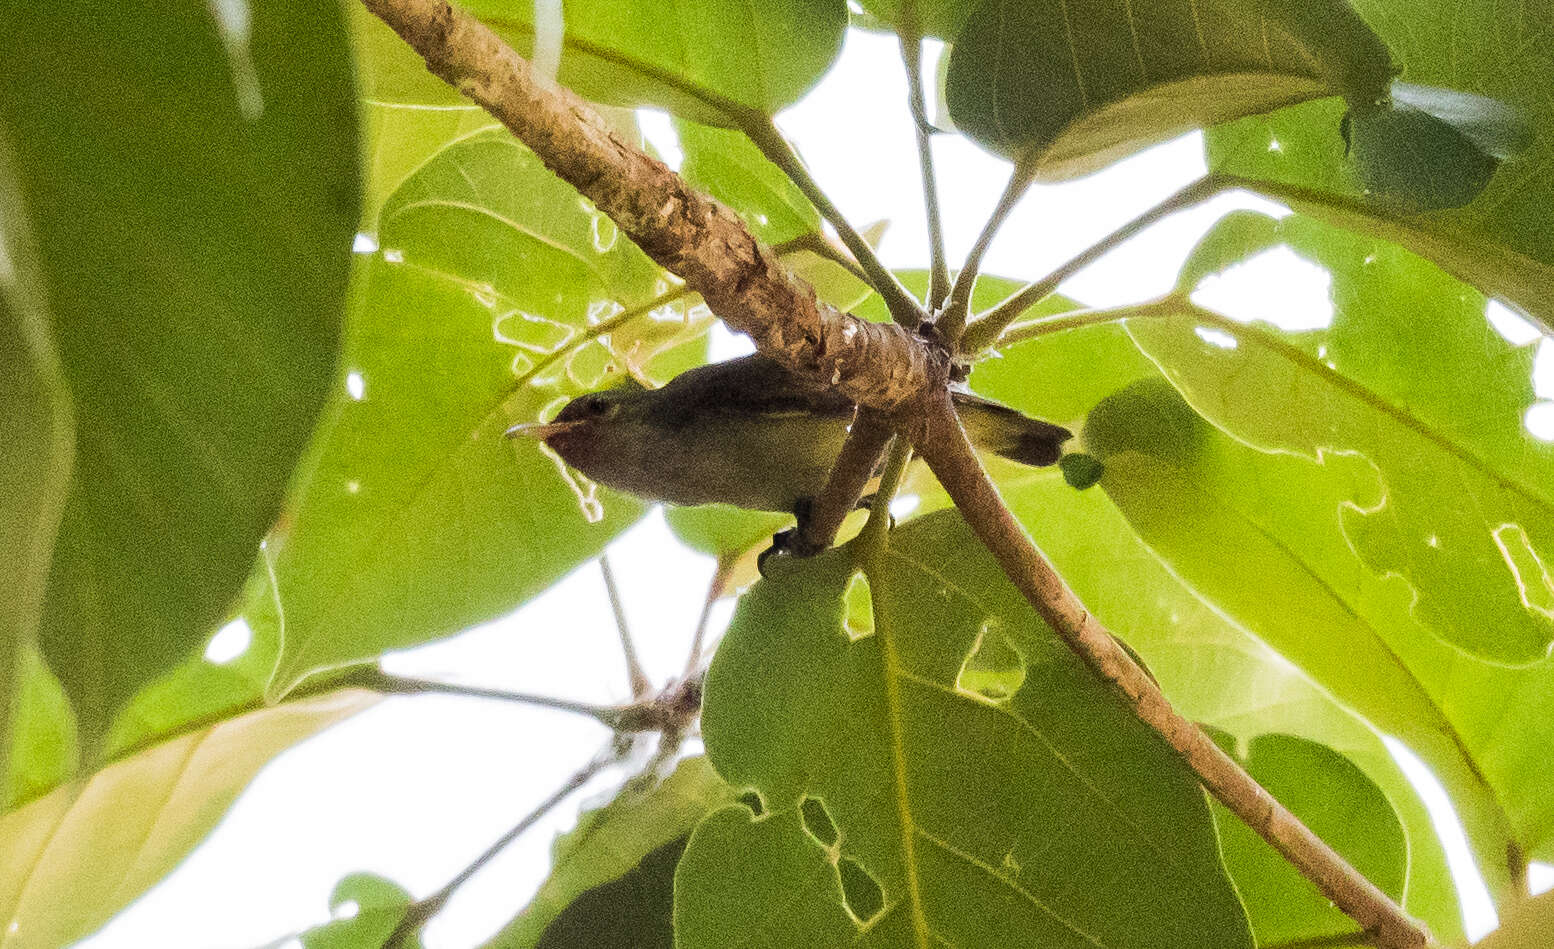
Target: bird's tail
x=1009, y=433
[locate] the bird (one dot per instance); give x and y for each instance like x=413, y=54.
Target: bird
x=746, y=432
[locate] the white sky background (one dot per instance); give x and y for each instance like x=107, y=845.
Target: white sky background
x=415, y=788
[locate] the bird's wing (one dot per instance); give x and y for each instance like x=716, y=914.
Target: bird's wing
x=750, y=386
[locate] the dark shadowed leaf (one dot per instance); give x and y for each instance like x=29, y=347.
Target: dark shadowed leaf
x=637, y=837
x=1067, y=87
x=1048, y=817
x=635, y=911
x=1341, y=805
x=191, y=175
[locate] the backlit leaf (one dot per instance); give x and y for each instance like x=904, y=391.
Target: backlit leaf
x=35, y=467
x=1335, y=799
x=706, y=60
x=1050, y=818
x=1411, y=376
x=1503, y=240
x=190, y=175
x=481, y=309
x=372, y=907
x=1211, y=669
x=726, y=165
x=1259, y=536
x=81, y=853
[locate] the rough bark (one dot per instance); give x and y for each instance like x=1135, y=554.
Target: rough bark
x=687, y=233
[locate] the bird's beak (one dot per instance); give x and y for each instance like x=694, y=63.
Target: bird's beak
x=543, y=430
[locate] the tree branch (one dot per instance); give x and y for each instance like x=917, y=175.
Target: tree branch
x=954, y=319
x=850, y=474
x=943, y=444
x=904, y=308
x=691, y=235
x=376, y=680
x=879, y=366
x=990, y=326
x=912, y=56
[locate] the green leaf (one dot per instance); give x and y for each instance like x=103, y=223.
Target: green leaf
x=1414, y=161
x=1066, y=87
x=1051, y=817
x=198, y=691
x=1212, y=669
x=390, y=71
x=1335, y=799
x=705, y=60
x=1259, y=536
x=722, y=531
x=416, y=518
x=635, y=911
x=80, y=854
x=43, y=735
x=1529, y=926
x=637, y=831
x=1411, y=376
x=728, y=166
x=376, y=906
x=35, y=468
x=941, y=18
x=1503, y=240
x=191, y=179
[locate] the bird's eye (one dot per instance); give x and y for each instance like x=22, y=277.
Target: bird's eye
x=598, y=407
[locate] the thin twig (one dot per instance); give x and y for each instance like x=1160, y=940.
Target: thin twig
x=878, y=524
x=417, y=914
x=850, y=474
x=820, y=245
x=954, y=318
x=640, y=685
x=904, y=308
x=912, y=57
x=375, y=679
x=949, y=454
x=1167, y=305
x=987, y=328
x=715, y=589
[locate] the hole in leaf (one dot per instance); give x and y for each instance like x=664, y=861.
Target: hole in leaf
x=817, y=821
x=860, y=891
x=858, y=608
x=994, y=670
x=752, y=800
x=230, y=642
